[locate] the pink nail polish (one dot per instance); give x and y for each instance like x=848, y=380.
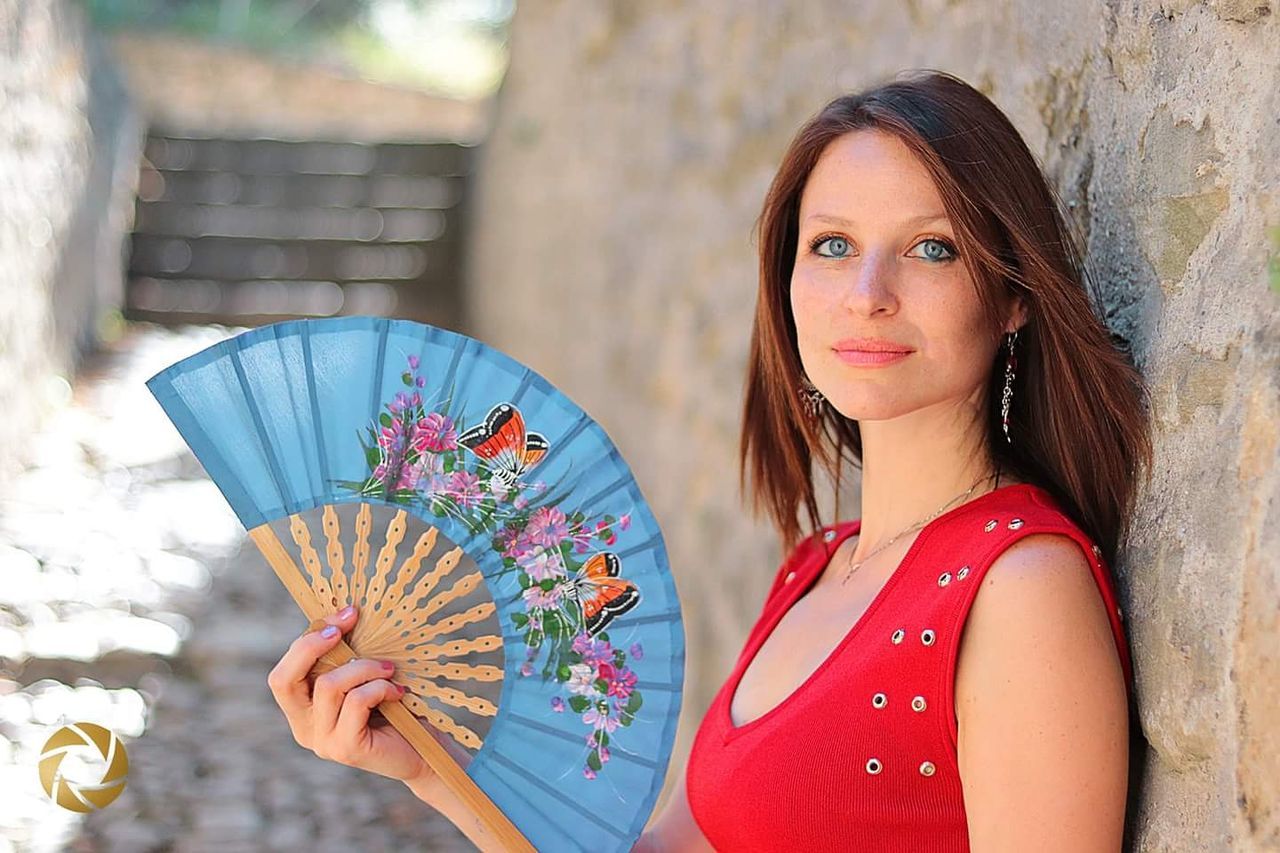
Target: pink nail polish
x=388, y=665
x=346, y=612
x=329, y=632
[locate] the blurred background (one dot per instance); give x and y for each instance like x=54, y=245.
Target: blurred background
x=574, y=182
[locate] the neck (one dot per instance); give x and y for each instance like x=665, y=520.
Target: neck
x=917, y=465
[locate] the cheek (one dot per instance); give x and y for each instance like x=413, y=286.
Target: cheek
x=810, y=305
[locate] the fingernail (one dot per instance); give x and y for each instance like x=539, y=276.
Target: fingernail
x=329, y=632
x=403, y=689
x=388, y=665
x=347, y=612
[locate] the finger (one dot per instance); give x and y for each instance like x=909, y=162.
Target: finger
x=332, y=688
x=360, y=702
x=288, y=679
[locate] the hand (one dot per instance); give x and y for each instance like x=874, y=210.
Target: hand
x=333, y=719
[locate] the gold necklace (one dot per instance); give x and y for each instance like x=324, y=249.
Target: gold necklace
x=853, y=567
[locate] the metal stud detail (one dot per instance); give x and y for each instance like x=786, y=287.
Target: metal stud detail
x=879, y=700
x=927, y=768
x=991, y=525
x=927, y=636
x=944, y=578
x=1097, y=552
x=874, y=766
x=918, y=704
x=1015, y=523
x=963, y=573
x=828, y=536
x=897, y=636
x=790, y=577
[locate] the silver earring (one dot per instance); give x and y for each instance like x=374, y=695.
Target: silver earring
x=810, y=396
x=1010, y=363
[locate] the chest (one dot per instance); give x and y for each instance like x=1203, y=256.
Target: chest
x=813, y=630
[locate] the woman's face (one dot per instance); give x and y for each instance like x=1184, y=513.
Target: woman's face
x=877, y=258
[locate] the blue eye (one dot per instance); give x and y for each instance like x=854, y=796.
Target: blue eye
x=933, y=255
x=818, y=241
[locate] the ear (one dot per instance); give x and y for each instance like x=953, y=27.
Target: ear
x=1017, y=314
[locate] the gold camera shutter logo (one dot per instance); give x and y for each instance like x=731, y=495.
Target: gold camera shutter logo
x=81, y=796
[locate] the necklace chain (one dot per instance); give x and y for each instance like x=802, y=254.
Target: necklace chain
x=853, y=567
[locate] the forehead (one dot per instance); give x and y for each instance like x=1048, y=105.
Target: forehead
x=869, y=170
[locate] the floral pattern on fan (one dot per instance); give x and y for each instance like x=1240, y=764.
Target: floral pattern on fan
x=570, y=593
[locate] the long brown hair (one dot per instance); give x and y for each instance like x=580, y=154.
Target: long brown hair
x=1078, y=413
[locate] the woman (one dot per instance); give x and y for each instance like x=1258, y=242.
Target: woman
x=949, y=671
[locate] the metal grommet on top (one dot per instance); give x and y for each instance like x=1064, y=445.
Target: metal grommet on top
x=927, y=768
x=874, y=766
x=1015, y=523
x=1097, y=552
x=927, y=636
x=879, y=700
x=991, y=525
x=918, y=704
x=963, y=573
x=944, y=578
x=897, y=636
x=828, y=536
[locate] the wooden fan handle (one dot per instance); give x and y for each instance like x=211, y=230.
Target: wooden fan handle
x=404, y=721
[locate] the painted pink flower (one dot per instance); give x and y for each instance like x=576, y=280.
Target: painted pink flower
x=622, y=683
x=557, y=704
x=526, y=668
x=542, y=564
x=600, y=720
x=624, y=521
x=588, y=773
x=414, y=361
x=593, y=651
x=435, y=432
x=543, y=599
x=464, y=488
x=547, y=527
x=637, y=651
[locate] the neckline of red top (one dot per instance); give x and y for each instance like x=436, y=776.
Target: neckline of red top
x=843, y=531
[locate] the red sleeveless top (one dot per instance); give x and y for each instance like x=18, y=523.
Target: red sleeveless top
x=862, y=755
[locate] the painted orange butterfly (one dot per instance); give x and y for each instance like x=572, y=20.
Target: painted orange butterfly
x=502, y=440
x=599, y=591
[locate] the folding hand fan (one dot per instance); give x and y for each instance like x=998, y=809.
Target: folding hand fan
x=534, y=619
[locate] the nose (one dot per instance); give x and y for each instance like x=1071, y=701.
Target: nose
x=870, y=287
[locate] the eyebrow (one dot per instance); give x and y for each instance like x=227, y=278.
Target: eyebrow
x=836, y=220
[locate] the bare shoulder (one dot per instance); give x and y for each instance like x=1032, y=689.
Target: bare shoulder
x=1041, y=706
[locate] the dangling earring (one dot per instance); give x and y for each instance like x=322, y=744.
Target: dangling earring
x=810, y=396
x=1009, y=364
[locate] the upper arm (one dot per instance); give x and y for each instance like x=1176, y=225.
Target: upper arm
x=1041, y=706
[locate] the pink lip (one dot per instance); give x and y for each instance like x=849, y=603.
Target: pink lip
x=868, y=359
x=870, y=345
x=870, y=351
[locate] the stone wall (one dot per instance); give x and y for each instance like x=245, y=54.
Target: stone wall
x=69, y=147
x=632, y=147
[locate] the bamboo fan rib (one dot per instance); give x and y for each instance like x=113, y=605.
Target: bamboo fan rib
x=406, y=615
